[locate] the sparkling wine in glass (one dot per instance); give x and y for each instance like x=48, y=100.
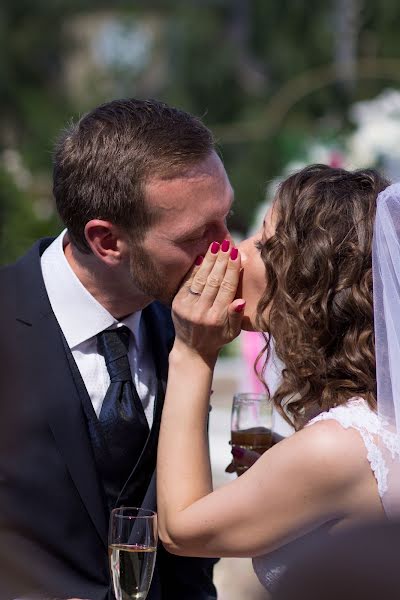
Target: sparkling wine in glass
x=251, y=424
x=132, y=547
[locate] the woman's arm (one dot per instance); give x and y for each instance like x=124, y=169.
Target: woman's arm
x=184, y=432
x=203, y=324
x=301, y=482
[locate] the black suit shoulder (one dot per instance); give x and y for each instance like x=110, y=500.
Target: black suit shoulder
x=22, y=280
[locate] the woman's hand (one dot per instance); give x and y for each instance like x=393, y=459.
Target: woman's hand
x=205, y=312
x=246, y=458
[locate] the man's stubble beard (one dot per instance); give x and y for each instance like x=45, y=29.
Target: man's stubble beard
x=148, y=278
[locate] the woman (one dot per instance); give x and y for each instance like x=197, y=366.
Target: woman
x=307, y=282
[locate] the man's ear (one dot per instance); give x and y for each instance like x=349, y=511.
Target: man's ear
x=105, y=241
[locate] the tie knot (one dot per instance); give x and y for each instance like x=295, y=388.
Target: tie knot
x=113, y=344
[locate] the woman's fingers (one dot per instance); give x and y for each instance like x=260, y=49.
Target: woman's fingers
x=188, y=279
x=205, y=312
x=216, y=281
x=197, y=278
x=241, y=458
x=229, y=282
x=215, y=276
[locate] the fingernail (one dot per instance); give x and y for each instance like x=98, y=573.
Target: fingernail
x=225, y=245
x=199, y=260
x=237, y=452
x=240, y=307
x=214, y=248
x=230, y=468
x=234, y=253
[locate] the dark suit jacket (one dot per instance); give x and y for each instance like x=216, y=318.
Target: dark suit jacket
x=53, y=522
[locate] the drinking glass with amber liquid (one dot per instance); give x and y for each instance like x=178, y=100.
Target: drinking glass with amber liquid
x=251, y=424
x=132, y=546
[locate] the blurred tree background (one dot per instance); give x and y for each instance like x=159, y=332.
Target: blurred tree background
x=265, y=76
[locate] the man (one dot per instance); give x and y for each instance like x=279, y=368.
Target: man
x=84, y=346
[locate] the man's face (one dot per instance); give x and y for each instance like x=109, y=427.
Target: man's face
x=192, y=213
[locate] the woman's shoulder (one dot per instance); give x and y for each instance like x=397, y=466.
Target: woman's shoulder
x=319, y=474
x=363, y=434
x=322, y=465
x=327, y=450
x=328, y=438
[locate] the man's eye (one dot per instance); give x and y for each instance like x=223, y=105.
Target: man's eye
x=229, y=215
x=194, y=240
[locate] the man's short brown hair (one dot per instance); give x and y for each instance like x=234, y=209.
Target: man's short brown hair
x=102, y=162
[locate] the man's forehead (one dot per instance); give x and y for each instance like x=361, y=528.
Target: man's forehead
x=165, y=193
x=199, y=188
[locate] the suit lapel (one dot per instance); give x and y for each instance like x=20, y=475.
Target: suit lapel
x=160, y=337
x=42, y=339
x=160, y=332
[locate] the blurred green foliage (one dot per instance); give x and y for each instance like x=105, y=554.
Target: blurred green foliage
x=254, y=70
x=21, y=225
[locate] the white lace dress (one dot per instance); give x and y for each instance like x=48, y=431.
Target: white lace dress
x=356, y=414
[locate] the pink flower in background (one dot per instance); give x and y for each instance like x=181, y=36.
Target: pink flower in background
x=252, y=343
x=336, y=160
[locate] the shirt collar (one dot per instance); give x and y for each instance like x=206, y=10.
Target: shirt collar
x=78, y=313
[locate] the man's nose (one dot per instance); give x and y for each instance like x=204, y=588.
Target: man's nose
x=220, y=234
x=225, y=234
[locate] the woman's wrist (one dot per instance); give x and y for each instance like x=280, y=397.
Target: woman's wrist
x=182, y=352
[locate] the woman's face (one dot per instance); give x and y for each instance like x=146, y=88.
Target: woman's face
x=253, y=278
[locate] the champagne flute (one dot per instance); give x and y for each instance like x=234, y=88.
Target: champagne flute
x=132, y=546
x=251, y=424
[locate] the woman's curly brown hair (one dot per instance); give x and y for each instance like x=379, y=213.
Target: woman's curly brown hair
x=319, y=289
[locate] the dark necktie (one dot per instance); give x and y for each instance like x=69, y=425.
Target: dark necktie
x=122, y=417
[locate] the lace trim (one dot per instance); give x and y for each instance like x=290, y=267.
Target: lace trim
x=357, y=414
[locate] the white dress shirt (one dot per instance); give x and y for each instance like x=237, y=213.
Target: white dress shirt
x=81, y=317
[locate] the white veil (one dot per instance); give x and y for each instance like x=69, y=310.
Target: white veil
x=386, y=285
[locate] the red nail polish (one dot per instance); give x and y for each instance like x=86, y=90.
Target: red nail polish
x=214, y=248
x=240, y=307
x=198, y=260
x=237, y=452
x=225, y=245
x=234, y=253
